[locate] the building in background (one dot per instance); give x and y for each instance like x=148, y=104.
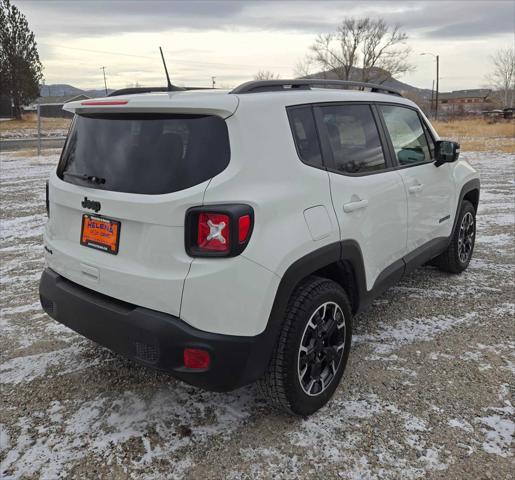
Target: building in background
x=465, y=102
x=53, y=106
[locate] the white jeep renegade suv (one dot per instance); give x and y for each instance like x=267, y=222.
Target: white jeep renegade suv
x=229, y=237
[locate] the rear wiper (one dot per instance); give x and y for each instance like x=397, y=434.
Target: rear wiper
x=88, y=178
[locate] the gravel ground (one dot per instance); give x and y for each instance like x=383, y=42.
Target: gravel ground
x=427, y=392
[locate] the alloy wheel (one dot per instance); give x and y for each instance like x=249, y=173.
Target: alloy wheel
x=466, y=237
x=321, y=348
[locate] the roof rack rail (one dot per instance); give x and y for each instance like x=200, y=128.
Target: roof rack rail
x=256, y=86
x=137, y=90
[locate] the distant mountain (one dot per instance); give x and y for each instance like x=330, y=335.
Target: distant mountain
x=62, y=89
x=58, y=90
x=380, y=75
x=98, y=93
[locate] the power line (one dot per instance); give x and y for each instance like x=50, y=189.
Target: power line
x=215, y=64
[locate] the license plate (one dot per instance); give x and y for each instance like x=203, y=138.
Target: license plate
x=100, y=233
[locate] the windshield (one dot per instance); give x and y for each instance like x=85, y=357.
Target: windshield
x=144, y=153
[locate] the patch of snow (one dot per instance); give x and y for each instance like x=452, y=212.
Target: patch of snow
x=460, y=423
x=4, y=438
x=499, y=434
x=25, y=369
x=389, y=338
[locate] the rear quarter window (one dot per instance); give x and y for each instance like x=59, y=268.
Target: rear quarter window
x=145, y=153
x=302, y=123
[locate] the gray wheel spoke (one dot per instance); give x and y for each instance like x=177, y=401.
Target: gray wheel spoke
x=321, y=349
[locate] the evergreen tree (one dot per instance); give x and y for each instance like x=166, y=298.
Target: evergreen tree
x=20, y=68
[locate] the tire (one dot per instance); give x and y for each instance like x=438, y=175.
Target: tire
x=288, y=381
x=459, y=252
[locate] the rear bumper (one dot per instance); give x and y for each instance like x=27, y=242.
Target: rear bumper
x=153, y=338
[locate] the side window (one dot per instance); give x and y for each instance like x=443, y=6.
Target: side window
x=353, y=138
x=407, y=135
x=305, y=135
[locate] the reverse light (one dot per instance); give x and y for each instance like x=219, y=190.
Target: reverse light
x=196, y=358
x=218, y=230
x=213, y=232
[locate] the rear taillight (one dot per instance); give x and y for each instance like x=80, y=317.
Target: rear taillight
x=218, y=230
x=243, y=228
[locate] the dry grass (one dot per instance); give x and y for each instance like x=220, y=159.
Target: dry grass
x=479, y=134
x=33, y=152
x=30, y=121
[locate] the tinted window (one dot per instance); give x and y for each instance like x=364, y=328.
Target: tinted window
x=305, y=135
x=145, y=153
x=407, y=134
x=353, y=138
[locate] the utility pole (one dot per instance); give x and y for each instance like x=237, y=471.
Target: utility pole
x=437, y=57
x=213, y=83
x=105, y=82
x=437, y=84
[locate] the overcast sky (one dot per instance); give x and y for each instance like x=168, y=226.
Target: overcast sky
x=232, y=40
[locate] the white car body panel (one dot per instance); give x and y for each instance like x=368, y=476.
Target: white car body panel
x=297, y=208
x=380, y=227
x=431, y=198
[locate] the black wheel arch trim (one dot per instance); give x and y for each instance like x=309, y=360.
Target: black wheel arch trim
x=471, y=185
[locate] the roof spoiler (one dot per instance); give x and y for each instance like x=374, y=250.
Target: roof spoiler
x=256, y=86
x=138, y=90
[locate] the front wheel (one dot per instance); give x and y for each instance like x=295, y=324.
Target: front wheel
x=459, y=252
x=312, y=350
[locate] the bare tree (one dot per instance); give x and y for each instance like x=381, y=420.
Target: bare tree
x=266, y=75
x=379, y=50
x=303, y=68
x=503, y=76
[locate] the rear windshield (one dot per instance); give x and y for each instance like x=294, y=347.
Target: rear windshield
x=144, y=153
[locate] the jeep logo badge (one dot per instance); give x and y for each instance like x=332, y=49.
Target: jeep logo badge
x=95, y=206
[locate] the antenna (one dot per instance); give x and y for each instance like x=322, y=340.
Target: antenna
x=171, y=88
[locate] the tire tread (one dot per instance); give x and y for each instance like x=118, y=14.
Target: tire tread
x=274, y=384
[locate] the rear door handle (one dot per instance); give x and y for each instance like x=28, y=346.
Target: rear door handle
x=353, y=206
x=416, y=188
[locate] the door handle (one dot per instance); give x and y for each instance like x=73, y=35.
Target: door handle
x=416, y=188
x=353, y=206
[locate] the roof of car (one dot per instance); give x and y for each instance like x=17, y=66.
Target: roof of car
x=225, y=102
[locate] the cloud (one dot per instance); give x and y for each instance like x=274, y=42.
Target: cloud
x=90, y=18
x=234, y=39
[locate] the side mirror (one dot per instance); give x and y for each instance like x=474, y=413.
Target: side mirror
x=446, y=152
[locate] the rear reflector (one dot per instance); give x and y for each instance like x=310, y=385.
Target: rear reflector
x=213, y=232
x=243, y=228
x=104, y=102
x=195, y=358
